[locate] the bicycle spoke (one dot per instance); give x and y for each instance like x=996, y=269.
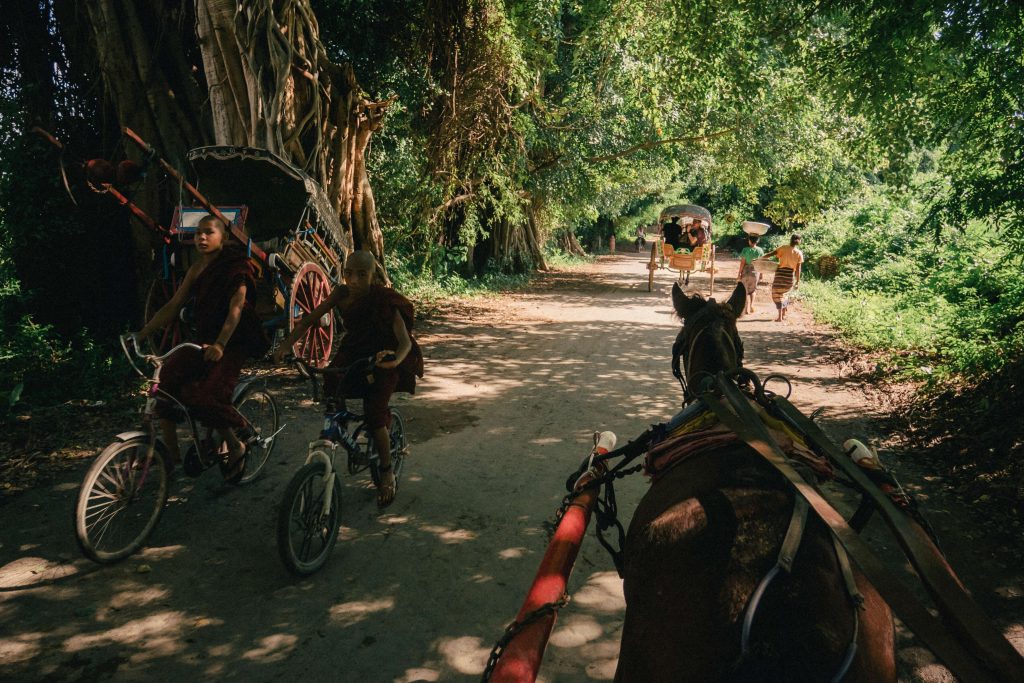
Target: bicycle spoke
x=99, y=492
x=106, y=526
x=117, y=484
x=99, y=509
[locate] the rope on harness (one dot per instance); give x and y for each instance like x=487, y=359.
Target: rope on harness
x=606, y=515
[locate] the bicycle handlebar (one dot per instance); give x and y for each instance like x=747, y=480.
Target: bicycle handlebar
x=149, y=358
x=310, y=372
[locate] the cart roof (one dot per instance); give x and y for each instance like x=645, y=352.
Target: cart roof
x=685, y=210
x=276, y=192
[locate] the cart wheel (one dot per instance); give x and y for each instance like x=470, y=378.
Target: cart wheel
x=160, y=292
x=310, y=287
x=651, y=267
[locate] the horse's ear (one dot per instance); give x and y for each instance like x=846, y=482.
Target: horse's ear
x=685, y=306
x=738, y=301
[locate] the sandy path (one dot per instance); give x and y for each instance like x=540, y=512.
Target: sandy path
x=515, y=388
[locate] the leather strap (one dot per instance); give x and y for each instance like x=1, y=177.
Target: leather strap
x=969, y=624
x=794, y=534
x=745, y=423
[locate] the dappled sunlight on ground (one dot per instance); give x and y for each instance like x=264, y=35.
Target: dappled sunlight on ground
x=451, y=535
x=467, y=654
x=420, y=675
x=420, y=591
x=351, y=613
x=154, y=636
x=602, y=592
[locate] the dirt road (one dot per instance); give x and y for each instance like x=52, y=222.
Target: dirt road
x=515, y=388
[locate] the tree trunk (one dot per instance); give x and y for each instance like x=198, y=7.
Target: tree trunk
x=265, y=81
x=472, y=132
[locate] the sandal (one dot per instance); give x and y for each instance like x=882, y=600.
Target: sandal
x=234, y=470
x=387, y=488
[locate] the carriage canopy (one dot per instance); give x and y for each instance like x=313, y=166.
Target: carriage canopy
x=278, y=194
x=685, y=211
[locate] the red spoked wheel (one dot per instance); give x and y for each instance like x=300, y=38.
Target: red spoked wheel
x=310, y=287
x=160, y=292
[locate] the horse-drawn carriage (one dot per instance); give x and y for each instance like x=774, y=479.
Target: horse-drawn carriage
x=281, y=216
x=685, y=260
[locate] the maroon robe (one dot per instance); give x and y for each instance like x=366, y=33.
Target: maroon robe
x=368, y=329
x=205, y=387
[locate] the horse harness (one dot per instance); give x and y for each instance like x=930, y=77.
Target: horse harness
x=683, y=374
x=758, y=437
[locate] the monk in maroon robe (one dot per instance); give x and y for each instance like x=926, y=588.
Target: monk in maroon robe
x=378, y=324
x=219, y=285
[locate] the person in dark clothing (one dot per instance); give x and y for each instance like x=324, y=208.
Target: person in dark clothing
x=673, y=233
x=227, y=328
x=378, y=322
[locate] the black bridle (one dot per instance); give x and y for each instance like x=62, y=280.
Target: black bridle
x=685, y=342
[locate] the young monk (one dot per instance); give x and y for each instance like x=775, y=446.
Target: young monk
x=229, y=332
x=378, y=322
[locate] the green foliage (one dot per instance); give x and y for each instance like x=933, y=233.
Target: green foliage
x=38, y=367
x=446, y=281
x=953, y=305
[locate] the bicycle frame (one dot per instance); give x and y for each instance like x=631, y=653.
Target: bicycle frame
x=155, y=393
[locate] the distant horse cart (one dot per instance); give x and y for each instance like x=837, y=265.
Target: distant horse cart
x=280, y=215
x=686, y=261
x=737, y=565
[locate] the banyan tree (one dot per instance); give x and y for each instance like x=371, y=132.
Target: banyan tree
x=256, y=74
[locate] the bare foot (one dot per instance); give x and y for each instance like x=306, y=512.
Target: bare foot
x=386, y=488
x=232, y=468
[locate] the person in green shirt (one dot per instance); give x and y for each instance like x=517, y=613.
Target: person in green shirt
x=748, y=276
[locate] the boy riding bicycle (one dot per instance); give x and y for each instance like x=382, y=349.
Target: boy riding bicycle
x=219, y=284
x=378, y=323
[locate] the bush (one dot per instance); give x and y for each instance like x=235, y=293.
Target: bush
x=946, y=305
x=51, y=370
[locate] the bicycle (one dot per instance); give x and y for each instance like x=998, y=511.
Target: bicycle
x=310, y=513
x=123, y=494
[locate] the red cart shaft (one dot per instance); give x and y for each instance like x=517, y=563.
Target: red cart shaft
x=521, y=660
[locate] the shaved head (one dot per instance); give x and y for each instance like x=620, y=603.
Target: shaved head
x=361, y=259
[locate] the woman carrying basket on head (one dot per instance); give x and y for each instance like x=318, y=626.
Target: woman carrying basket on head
x=787, y=276
x=748, y=275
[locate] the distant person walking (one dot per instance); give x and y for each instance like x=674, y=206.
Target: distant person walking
x=787, y=276
x=748, y=276
x=641, y=237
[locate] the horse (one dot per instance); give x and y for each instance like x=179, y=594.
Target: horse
x=703, y=538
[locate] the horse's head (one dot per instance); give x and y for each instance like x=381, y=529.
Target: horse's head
x=709, y=341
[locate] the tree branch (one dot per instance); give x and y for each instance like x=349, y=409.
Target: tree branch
x=657, y=143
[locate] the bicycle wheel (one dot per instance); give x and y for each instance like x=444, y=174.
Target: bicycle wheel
x=399, y=447
x=260, y=409
x=121, y=499
x=305, y=533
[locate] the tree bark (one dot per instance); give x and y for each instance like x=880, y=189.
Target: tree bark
x=268, y=82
